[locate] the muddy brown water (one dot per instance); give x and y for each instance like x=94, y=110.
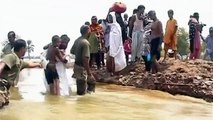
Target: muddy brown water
x=110, y=102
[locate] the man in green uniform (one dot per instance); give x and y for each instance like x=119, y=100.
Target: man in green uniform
x=10, y=67
x=82, y=72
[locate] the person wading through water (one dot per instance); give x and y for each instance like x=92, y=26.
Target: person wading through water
x=81, y=49
x=53, y=54
x=10, y=67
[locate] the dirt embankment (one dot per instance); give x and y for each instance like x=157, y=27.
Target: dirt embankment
x=192, y=78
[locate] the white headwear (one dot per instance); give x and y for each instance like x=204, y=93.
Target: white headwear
x=114, y=22
x=116, y=49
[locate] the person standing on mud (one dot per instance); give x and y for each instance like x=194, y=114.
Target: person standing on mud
x=194, y=37
x=209, y=43
x=11, y=38
x=116, y=56
x=170, y=37
x=81, y=70
x=146, y=46
x=10, y=67
x=95, y=41
x=136, y=26
x=53, y=53
x=129, y=22
x=102, y=43
x=156, y=40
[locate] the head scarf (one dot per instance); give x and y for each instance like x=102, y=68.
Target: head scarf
x=114, y=23
x=95, y=27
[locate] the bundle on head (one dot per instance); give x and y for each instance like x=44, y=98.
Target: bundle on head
x=119, y=7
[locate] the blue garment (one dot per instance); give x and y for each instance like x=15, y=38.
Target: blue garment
x=209, y=43
x=148, y=57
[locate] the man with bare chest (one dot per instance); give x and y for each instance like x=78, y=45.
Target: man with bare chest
x=156, y=39
x=53, y=53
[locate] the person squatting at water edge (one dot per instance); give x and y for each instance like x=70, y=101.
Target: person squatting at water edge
x=81, y=71
x=10, y=67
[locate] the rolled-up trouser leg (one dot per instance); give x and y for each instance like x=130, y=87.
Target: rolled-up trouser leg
x=81, y=86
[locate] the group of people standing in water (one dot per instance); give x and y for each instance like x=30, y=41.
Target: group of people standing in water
x=113, y=38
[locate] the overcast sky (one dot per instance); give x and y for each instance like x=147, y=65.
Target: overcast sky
x=39, y=20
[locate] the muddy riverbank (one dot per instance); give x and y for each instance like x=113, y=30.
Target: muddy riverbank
x=191, y=78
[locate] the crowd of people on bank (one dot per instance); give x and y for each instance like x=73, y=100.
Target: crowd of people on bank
x=104, y=43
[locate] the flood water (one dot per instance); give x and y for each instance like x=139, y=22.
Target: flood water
x=110, y=102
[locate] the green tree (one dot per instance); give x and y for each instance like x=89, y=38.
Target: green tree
x=182, y=42
x=30, y=48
